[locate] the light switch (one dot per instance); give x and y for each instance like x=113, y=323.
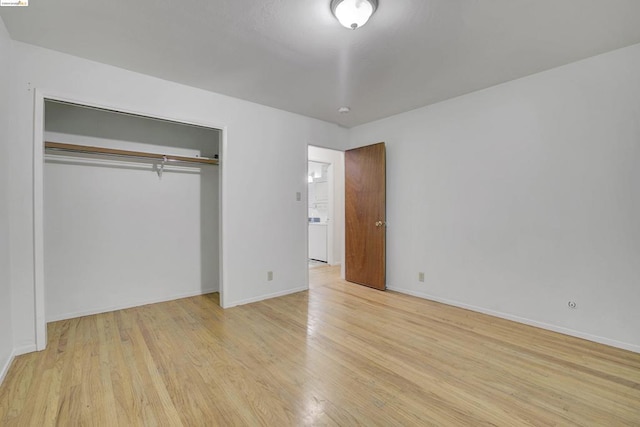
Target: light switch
x=298, y=196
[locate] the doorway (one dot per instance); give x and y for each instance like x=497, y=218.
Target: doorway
x=325, y=178
x=318, y=206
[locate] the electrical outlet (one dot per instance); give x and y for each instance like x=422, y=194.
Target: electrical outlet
x=572, y=304
x=269, y=276
x=421, y=277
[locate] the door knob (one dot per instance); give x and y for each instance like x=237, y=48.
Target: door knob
x=379, y=223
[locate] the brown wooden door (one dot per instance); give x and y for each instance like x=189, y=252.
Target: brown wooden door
x=365, y=206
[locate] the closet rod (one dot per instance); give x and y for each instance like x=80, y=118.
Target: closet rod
x=112, y=151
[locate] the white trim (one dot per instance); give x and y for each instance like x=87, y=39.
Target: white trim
x=305, y=200
x=129, y=305
x=222, y=214
x=16, y=352
x=6, y=366
x=38, y=221
x=29, y=348
x=523, y=320
x=268, y=296
x=38, y=190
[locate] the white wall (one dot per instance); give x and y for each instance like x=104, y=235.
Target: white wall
x=117, y=234
x=6, y=335
x=519, y=198
x=266, y=152
x=336, y=159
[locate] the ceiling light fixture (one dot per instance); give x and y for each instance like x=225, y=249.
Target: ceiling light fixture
x=353, y=14
x=344, y=110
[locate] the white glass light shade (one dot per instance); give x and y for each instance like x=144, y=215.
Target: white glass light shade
x=353, y=14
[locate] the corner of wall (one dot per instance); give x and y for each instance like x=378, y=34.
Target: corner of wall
x=524, y=200
x=5, y=367
x=7, y=351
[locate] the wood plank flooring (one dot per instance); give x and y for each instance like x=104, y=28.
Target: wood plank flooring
x=339, y=354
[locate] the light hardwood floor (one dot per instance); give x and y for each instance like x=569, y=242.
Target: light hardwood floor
x=339, y=354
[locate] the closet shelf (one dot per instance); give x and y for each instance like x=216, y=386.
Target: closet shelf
x=116, y=152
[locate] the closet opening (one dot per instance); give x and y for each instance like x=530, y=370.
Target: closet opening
x=130, y=212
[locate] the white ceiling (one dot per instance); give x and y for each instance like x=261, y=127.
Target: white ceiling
x=293, y=54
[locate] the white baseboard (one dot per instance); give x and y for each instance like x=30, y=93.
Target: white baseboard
x=24, y=349
x=530, y=322
x=267, y=296
x=6, y=366
x=107, y=309
x=16, y=352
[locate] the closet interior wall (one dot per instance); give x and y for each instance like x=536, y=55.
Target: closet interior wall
x=117, y=233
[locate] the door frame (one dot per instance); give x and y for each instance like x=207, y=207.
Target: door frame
x=338, y=203
x=40, y=96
